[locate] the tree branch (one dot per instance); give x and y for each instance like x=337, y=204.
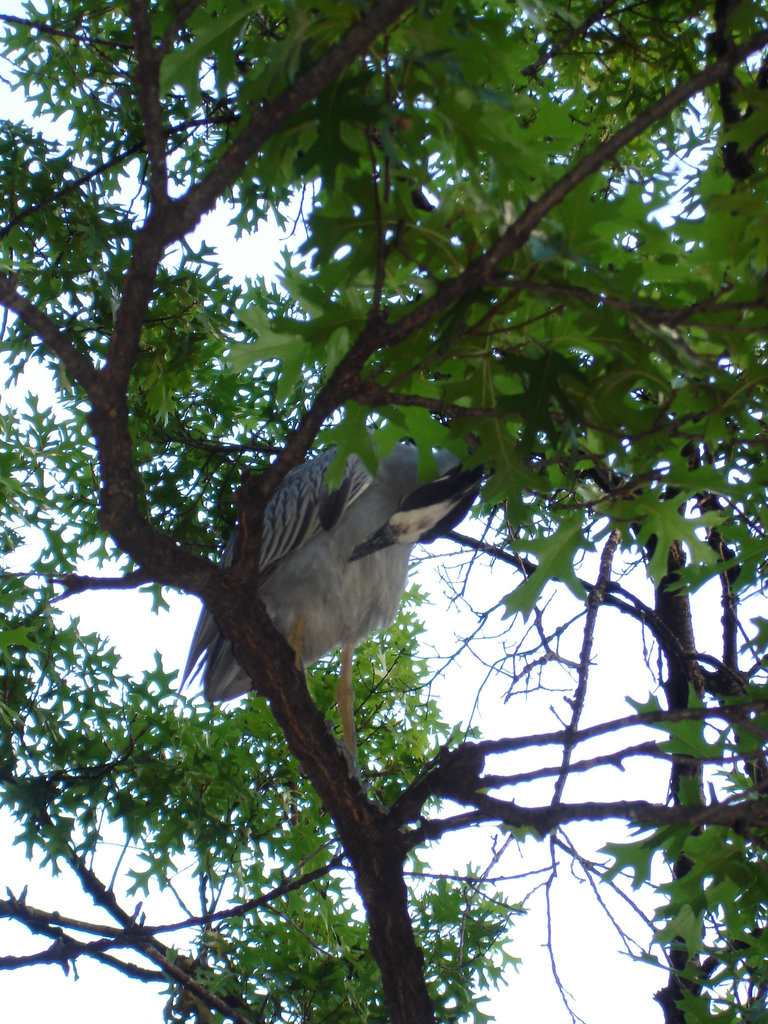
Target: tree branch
x=271, y=116
x=146, y=77
x=615, y=760
x=745, y=813
x=150, y=947
x=455, y=774
x=78, y=366
x=651, y=312
x=594, y=600
x=731, y=713
x=57, y=32
x=576, y=32
x=480, y=272
x=75, y=584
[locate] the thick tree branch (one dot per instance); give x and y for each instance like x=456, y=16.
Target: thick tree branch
x=737, y=161
x=109, y=419
x=370, y=837
x=78, y=366
x=744, y=814
x=684, y=679
x=456, y=773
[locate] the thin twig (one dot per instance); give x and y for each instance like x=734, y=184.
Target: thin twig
x=594, y=600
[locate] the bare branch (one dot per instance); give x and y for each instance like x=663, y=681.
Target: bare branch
x=730, y=713
x=594, y=600
x=614, y=760
x=745, y=813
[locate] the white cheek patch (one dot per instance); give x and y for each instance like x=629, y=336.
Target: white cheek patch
x=408, y=527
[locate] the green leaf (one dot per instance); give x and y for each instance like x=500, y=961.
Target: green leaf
x=556, y=555
x=183, y=66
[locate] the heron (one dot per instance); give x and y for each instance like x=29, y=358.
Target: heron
x=333, y=564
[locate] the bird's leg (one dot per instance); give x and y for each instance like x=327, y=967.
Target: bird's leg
x=296, y=640
x=345, y=696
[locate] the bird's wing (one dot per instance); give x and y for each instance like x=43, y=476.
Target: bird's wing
x=300, y=508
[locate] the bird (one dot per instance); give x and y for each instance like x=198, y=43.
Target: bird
x=333, y=564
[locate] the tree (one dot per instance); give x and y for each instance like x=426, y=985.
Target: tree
x=535, y=235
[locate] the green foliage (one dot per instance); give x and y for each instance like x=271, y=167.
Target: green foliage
x=597, y=341
x=721, y=892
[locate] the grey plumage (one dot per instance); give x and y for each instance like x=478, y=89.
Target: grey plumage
x=334, y=564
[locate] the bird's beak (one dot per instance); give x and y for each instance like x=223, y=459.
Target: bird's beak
x=383, y=538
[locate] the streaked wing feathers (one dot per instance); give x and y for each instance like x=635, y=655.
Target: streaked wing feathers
x=301, y=506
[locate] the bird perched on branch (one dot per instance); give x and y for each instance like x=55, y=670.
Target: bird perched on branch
x=334, y=563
